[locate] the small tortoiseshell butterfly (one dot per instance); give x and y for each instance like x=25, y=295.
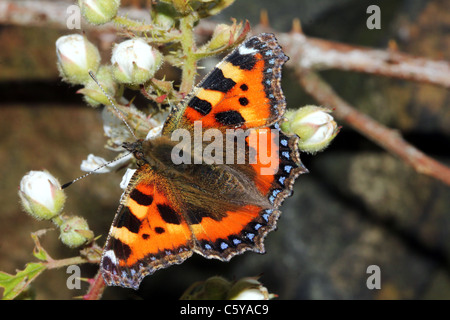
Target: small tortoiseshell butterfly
x=169, y=211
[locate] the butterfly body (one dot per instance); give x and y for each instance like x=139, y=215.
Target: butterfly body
x=221, y=197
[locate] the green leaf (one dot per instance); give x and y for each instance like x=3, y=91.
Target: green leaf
x=40, y=254
x=18, y=283
x=38, y=251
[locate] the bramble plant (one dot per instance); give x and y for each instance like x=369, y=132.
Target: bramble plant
x=134, y=63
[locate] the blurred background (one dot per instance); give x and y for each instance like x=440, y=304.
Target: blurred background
x=358, y=206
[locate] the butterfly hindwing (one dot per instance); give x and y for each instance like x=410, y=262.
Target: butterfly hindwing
x=245, y=228
x=277, y=167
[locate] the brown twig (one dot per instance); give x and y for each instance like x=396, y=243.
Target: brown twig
x=319, y=54
x=33, y=13
x=54, y=14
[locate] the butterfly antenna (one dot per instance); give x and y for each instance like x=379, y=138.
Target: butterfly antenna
x=93, y=171
x=120, y=113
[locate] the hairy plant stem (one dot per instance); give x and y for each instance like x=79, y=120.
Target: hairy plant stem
x=129, y=23
x=157, y=35
x=189, y=69
x=58, y=220
x=54, y=264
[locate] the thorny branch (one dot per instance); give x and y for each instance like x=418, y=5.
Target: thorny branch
x=96, y=287
x=307, y=56
x=319, y=54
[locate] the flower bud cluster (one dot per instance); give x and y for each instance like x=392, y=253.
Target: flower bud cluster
x=133, y=62
x=41, y=196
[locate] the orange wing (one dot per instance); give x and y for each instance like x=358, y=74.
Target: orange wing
x=242, y=91
x=245, y=228
x=147, y=233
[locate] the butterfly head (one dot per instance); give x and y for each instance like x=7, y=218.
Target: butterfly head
x=137, y=149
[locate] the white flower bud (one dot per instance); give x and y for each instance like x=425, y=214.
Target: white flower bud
x=314, y=125
x=99, y=11
x=76, y=57
x=251, y=294
x=41, y=195
x=135, y=61
x=249, y=289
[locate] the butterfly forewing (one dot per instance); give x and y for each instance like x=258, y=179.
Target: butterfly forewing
x=242, y=91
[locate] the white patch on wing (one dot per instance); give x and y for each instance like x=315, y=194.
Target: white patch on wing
x=244, y=50
x=110, y=254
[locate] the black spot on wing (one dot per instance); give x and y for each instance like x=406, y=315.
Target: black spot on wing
x=159, y=230
x=195, y=215
x=218, y=82
x=128, y=220
x=107, y=263
x=243, y=101
x=141, y=198
x=253, y=42
x=243, y=61
x=168, y=214
x=202, y=106
x=231, y=118
x=121, y=250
